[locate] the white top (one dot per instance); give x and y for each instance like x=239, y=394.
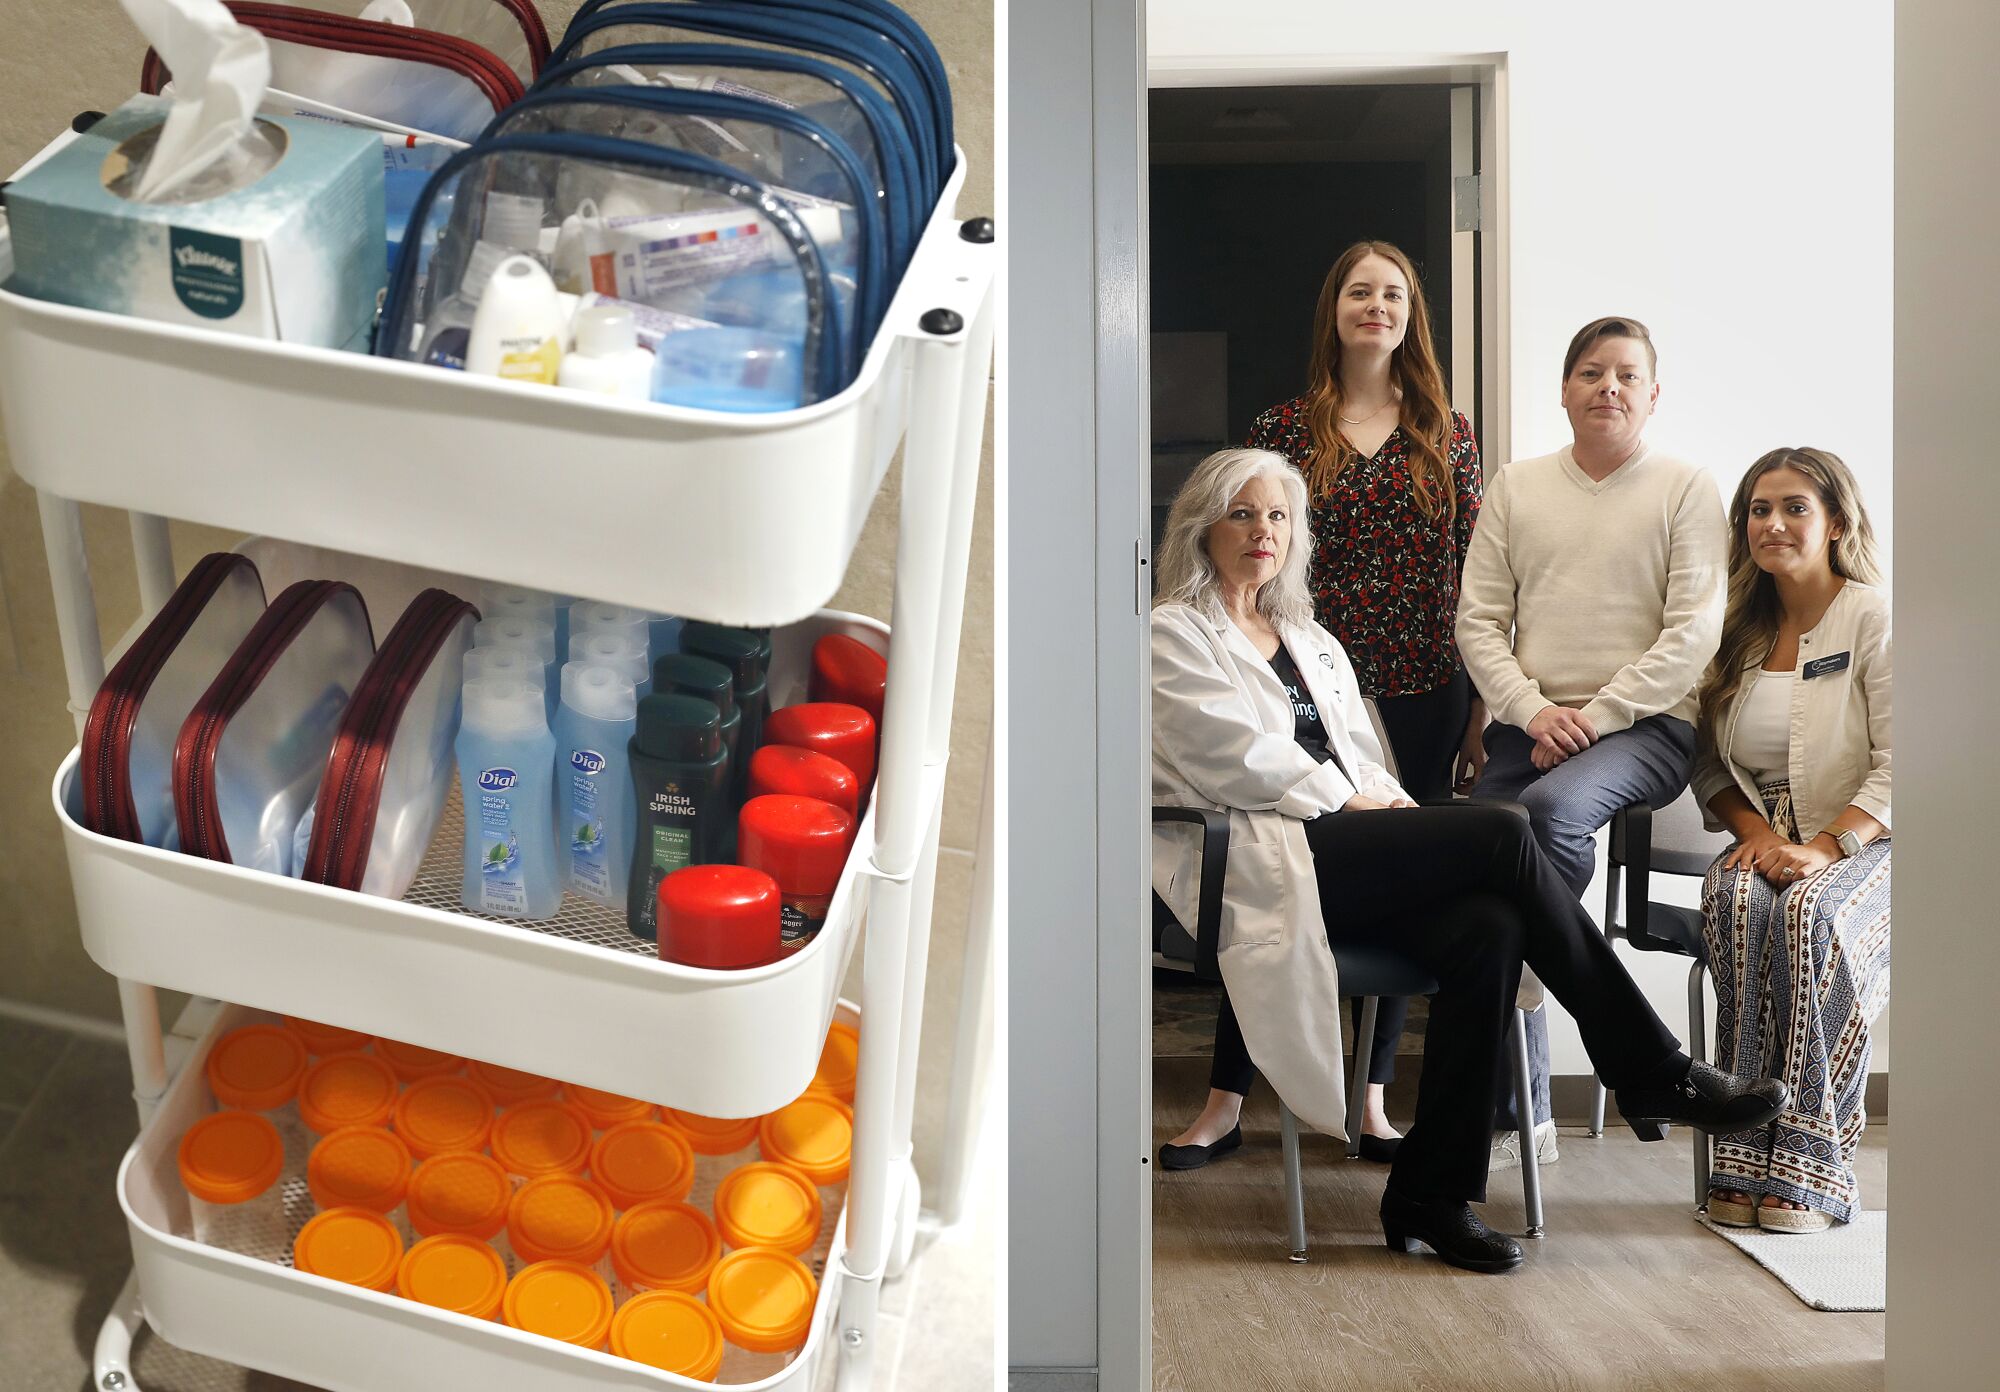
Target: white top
x=1841, y=720
x=1601, y=595
x=1763, y=739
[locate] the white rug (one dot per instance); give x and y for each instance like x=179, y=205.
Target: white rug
x=1839, y=1269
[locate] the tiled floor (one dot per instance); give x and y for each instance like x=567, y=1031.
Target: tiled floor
x=66, y=1117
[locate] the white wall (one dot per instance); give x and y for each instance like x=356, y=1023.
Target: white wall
x=1722, y=172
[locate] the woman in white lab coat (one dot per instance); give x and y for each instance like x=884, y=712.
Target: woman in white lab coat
x=1256, y=711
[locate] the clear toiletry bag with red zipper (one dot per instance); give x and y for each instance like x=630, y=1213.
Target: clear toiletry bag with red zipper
x=250, y=755
x=413, y=64
x=128, y=737
x=391, y=767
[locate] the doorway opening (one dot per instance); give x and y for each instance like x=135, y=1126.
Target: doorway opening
x=1254, y=190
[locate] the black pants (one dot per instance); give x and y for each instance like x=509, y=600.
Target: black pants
x=1464, y=891
x=1425, y=732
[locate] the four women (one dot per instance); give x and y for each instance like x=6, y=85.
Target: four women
x=1257, y=708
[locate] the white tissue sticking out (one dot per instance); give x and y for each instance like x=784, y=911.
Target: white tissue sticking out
x=220, y=71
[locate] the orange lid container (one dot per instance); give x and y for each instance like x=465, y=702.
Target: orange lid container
x=439, y=1115
x=347, y=1090
x=539, y=1138
x=256, y=1068
x=767, y=1205
x=814, y=1135
x=510, y=1085
x=607, y=1109
x=559, y=1218
x=671, y=1331
x=459, y=1193
x=763, y=1299
x=838, y=1062
x=413, y=1062
x=560, y=1300
x=351, y=1245
x=359, y=1167
x=665, y=1246
x=638, y=1161
x=713, y=1135
x=230, y=1157
x=321, y=1040
x=454, y=1272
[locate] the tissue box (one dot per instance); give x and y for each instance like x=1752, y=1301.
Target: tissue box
x=296, y=254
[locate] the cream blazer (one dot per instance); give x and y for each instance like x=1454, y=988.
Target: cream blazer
x=1840, y=720
x=1223, y=738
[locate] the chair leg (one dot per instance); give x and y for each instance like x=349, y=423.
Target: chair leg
x=1364, y=1052
x=1698, y=1048
x=1295, y=1192
x=1613, y=878
x=1524, y=1101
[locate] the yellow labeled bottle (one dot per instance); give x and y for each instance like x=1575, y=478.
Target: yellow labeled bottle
x=517, y=329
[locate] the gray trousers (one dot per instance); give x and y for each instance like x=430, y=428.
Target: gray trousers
x=1650, y=762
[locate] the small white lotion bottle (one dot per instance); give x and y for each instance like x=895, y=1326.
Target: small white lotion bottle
x=607, y=358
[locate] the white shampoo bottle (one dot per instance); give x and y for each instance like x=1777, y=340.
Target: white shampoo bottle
x=608, y=358
x=517, y=331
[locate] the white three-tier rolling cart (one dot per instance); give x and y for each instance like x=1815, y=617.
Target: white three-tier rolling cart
x=387, y=473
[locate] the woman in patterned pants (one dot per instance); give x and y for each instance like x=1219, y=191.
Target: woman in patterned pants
x=1794, y=761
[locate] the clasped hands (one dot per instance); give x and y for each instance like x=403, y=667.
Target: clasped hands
x=1783, y=863
x=1558, y=733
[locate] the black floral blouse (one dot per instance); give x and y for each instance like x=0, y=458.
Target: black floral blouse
x=1385, y=577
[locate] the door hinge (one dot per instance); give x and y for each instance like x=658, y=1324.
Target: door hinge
x=1465, y=203
x=1142, y=573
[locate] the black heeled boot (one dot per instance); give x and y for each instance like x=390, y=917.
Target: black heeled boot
x=1707, y=1099
x=1449, y=1228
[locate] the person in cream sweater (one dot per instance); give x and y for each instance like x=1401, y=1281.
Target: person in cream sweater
x=1590, y=606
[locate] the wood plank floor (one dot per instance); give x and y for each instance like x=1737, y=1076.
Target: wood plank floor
x=1627, y=1292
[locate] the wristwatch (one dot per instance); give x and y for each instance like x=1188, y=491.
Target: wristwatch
x=1850, y=844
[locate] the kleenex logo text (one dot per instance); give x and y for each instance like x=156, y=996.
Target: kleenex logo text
x=194, y=256
x=495, y=780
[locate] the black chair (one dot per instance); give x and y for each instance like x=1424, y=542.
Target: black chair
x=1366, y=974
x=1671, y=841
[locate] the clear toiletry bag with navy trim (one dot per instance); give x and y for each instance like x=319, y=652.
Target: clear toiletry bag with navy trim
x=753, y=320
x=832, y=34
x=420, y=78
x=848, y=106
x=390, y=769
x=249, y=756
x=128, y=737
x=891, y=21
x=810, y=169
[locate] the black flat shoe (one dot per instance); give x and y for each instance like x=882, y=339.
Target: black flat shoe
x=1193, y=1157
x=1452, y=1230
x=1707, y=1099
x=1380, y=1150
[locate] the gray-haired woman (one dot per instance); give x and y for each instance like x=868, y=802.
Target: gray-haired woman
x=1256, y=711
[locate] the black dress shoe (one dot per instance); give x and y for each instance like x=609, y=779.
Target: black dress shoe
x=1381, y=1150
x=1452, y=1230
x=1707, y=1099
x=1193, y=1157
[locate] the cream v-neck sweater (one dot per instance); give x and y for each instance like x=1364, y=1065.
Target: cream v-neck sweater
x=1604, y=596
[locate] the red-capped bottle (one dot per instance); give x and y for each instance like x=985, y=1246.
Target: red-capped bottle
x=801, y=843
x=719, y=916
x=848, y=670
x=833, y=728
x=785, y=768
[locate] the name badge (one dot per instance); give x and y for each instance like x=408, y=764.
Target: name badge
x=1820, y=666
